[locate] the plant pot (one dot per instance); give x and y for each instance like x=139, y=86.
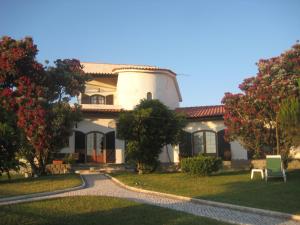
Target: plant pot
x=57, y=162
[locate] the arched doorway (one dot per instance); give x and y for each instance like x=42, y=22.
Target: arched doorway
x=95, y=146
x=80, y=146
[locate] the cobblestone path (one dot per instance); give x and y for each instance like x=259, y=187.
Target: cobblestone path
x=100, y=185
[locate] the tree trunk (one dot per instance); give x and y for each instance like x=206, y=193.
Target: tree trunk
x=277, y=136
x=140, y=168
x=8, y=174
x=42, y=165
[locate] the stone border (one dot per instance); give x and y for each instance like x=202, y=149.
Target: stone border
x=246, y=209
x=7, y=200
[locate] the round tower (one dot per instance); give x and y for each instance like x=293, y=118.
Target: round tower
x=135, y=84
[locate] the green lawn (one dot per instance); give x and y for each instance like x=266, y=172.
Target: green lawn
x=231, y=187
x=86, y=210
x=22, y=186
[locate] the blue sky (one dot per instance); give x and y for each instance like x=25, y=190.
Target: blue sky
x=212, y=45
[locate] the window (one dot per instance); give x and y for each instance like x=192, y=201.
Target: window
x=97, y=99
x=204, y=142
x=198, y=143
x=149, y=96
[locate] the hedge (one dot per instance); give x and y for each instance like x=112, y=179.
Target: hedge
x=201, y=165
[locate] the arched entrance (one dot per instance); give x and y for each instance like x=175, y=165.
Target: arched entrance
x=95, y=146
x=80, y=146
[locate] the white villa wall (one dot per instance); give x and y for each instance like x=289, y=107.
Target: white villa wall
x=169, y=155
x=103, y=125
x=237, y=151
x=295, y=152
x=133, y=86
x=205, y=125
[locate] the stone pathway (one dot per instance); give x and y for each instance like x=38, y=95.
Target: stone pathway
x=100, y=185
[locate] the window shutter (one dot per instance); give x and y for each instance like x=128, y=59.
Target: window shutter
x=85, y=99
x=109, y=100
x=223, y=146
x=185, y=145
x=110, y=147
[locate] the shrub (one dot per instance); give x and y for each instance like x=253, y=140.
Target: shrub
x=69, y=159
x=201, y=165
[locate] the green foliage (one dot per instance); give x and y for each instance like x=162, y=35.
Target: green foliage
x=69, y=159
x=289, y=117
x=201, y=165
x=62, y=120
x=147, y=129
x=9, y=142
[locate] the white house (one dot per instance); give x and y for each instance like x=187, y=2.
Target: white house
x=118, y=87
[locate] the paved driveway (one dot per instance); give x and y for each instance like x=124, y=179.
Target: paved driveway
x=100, y=185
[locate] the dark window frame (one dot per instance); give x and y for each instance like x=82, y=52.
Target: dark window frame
x=149, y=95
x=100, y=99
x=204, y=141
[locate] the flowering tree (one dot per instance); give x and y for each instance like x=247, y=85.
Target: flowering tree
x=21, y=90
x=252, y=116
x=33, y=93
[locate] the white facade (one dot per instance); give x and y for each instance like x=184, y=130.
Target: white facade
x=117, y=87
x=237, y=151
x=133, y=86
x=130, y=84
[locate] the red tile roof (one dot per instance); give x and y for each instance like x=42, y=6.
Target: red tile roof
x=202, y=111
x=190, y=112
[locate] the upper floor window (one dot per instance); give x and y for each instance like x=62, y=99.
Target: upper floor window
x=204, y=142
x=149, y=96
x=97, y=99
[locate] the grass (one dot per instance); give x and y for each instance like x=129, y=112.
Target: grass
x=230, y=187
x=88, y=210
x=23, y=186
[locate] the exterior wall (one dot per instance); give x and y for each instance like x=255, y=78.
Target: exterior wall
x=295, y=153
x=237, y=151
x=133, y=86
x=205, y=125
x=96, y=124
x=102, y=87
x=169, y=155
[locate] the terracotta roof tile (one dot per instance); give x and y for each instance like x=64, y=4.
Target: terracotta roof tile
x=202, y=111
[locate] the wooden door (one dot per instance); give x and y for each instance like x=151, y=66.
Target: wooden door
x=110, y=147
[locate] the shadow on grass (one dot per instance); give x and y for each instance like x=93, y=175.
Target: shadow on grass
x=94, y=210
x=21, y=179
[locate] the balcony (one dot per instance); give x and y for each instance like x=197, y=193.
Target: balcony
x=97, y=101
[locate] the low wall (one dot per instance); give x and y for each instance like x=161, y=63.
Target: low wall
x=58, y=168
x=257, y=163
